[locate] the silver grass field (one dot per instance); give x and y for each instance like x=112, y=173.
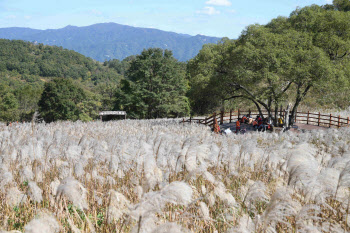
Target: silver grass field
x=162, y=176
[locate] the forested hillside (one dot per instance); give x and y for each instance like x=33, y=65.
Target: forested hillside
x=108, y=41
x=29, y=60
x=25, y=68
x=65, y=85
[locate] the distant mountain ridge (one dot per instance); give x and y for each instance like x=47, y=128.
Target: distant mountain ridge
x=107, y=41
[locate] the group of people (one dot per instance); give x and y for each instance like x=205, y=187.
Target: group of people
x=258, y=123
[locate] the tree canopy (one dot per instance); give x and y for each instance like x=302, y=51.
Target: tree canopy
x=59, y=100
x=155, y=86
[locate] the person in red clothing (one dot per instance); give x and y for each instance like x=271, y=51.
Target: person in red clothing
x=238, y=126
x=244, y=119
x=216, y=126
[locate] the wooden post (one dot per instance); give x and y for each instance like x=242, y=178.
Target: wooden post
x=348, y=121
x=250, y=112
x=296, y=114
x=231, y=116
x=319, y=119
x=222, y=117
x=307, y=119
x=239, y=112
x=338, y=121
x=183, y=121
x=330, y=120
x=190, y=119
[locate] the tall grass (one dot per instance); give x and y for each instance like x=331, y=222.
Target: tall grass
x=162, y=176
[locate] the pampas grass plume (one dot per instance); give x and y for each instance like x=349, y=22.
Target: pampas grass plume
x=74, y=191
x=43, y=223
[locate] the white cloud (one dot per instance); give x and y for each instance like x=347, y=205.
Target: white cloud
x=209, y=10
x=232, y=11
x=218, y=2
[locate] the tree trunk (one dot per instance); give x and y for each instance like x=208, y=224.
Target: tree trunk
x=294, y=110
x=258, y=107
x=276, y=114
x=298, y=100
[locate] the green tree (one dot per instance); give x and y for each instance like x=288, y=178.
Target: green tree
x=28, y=97
x=329, y=29
x=158, y=80
x=107, y=92
x=89, y=107
x=60, y=100
x=203, y=94
x=342, y=5
x=268, y=68
x=8, y=105
x=128, y=99
x=278, y=63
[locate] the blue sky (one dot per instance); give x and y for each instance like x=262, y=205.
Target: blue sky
x=207, y=17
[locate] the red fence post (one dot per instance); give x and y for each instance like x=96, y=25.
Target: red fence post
x=231, y=116
x=338, y=121
x=330, y=120
x=307, y=119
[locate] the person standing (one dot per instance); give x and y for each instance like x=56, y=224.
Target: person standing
x=238, y=126
x=216, y=126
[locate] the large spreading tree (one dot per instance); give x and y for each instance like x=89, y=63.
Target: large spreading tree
x=278, y=63
x=155, y=86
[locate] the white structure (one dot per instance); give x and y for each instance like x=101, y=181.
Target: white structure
x=112, y=113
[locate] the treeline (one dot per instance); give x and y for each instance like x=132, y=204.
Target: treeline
x=300, y=59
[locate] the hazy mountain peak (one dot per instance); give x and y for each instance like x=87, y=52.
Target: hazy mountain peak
x=111, y=40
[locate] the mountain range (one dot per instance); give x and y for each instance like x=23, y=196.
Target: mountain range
x=106, y=41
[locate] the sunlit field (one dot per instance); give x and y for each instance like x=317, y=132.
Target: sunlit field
x=162, y=176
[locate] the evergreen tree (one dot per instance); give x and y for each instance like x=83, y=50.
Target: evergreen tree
x=60, y=99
